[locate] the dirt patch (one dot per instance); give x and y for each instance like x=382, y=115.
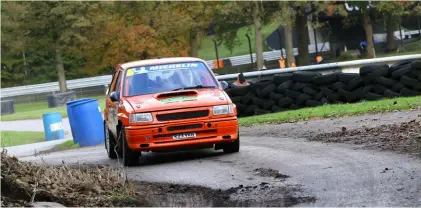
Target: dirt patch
x=269, y=172
x=163, y=195
x=404, y=137
x=305, y=129
x=267, y=195
x=104, y=185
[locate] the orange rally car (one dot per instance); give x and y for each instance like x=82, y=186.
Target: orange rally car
x=167, y=104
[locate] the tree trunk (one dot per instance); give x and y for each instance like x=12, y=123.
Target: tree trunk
x=368, y=34
x=193, y=43
x=390, y=28
x=258, y=36
x=289, y=47
x=302, y=36
x=60, y=70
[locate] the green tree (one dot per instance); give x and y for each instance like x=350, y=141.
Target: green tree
x=198, y=16
x=234, y=14
x=393, y=11
x=301, y=16
x=13, y=57
x=295, y=14
x=57, y=26
x=366, y=9
x=286, y=17
x=310, y=10
x=128, y=31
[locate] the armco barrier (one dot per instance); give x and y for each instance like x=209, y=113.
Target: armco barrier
x=322, y=67
x=293, y=90
x=105, y=80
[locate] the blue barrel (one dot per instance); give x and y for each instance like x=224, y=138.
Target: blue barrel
x=71, y=117
x=53, y=128
x=89, y=126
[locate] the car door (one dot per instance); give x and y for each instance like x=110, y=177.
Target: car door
x=113, y=106
x=111, y=87
x=108, y=116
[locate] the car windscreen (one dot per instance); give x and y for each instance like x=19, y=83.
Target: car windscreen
x=167, y=77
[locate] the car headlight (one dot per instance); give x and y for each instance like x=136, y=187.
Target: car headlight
x=140, y=117
x=222, y=110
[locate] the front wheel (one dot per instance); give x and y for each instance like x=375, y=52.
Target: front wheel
x=109, y=143
x=232, y=147
x=129, y=156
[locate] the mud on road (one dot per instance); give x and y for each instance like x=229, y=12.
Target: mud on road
x=399, y=132
x=402, y=137
x=163, y=195
x=309, y=163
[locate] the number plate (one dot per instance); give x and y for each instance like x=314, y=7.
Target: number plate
x=184, y=136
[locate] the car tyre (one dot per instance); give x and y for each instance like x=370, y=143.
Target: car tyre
x=129, y=156
x=233, y=146
x=109, y=143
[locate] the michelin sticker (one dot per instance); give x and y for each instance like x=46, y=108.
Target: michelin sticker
x=178, y=99
x=146, y=69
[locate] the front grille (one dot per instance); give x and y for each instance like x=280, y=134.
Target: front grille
x=182, y=115
x=177, y=128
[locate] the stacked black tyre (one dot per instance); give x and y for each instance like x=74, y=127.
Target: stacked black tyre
x=399, y=80
x=309, y=89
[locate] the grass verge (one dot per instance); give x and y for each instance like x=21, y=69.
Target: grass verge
x=334, y=110
x=13, y=138
x=36, y=110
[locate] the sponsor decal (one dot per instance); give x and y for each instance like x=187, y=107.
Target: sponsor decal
x=178, y=99
x=163, y=67
x=173, y=66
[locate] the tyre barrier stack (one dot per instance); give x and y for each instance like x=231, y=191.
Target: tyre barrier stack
x=60, y=99
x=7, y=107
x=301, y=89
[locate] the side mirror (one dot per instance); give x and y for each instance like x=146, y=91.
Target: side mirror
x=224, y=85
x=114, y=96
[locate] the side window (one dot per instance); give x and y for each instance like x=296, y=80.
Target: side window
x=118, y=86
x=113, y=83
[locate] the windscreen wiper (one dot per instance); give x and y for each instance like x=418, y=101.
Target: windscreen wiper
x=193, y=87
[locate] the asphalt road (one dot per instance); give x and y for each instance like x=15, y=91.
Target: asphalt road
x=335, y=174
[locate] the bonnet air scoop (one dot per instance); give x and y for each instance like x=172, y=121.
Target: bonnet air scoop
x=176, y=93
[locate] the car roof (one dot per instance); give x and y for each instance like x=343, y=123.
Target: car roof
x=159, y=61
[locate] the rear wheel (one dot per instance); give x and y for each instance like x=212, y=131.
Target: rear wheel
x=109, y=143
x=129, y=156
x=233, y=146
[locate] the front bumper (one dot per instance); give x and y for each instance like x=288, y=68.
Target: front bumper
x=160, y=136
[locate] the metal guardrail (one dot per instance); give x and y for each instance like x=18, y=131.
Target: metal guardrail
x=321, y=66
x=103, y=80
